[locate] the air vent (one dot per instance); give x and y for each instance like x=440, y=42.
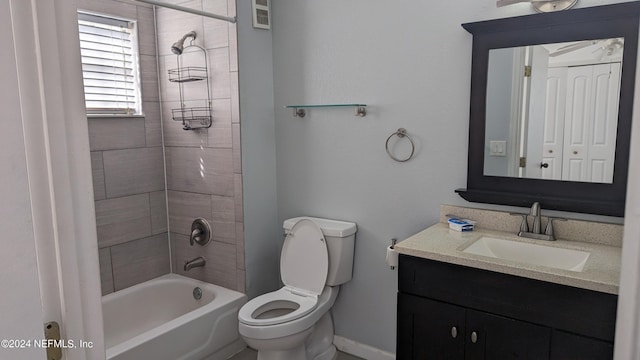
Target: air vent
x=261, y=14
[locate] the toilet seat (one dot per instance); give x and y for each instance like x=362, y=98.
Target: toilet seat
x=304, y=264
x=250, y=313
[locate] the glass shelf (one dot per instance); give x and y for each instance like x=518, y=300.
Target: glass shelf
x=299, y=110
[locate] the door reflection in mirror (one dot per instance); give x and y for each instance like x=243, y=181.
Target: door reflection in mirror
x=552, y=110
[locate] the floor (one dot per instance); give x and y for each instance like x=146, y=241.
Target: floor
x=250, y=354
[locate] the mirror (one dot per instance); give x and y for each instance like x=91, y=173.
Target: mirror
x=552, y=110
x=596, y=45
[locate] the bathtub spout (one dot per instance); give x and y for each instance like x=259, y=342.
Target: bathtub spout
x=197, y=262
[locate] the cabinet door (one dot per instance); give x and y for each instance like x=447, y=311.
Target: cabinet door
x=502, y=338
x=566, y=346
x=429, y=329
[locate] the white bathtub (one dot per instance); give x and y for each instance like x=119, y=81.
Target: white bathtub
x=160, y=319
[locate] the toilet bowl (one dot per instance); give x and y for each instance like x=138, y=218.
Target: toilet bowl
x=294, y=322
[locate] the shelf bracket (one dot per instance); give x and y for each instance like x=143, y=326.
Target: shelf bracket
x=298, y=112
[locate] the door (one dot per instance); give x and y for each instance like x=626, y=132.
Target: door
x=591, y=121
x=494, y=337
x=553, y=135
x=429, y=329
x=20, y=303
x=47, y=262
x=537, y=98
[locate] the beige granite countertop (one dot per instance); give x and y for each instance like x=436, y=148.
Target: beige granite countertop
x=601, y=271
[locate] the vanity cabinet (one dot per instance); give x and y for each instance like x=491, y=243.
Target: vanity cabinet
x=448, y=311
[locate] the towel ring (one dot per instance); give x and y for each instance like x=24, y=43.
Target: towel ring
x=401, y=133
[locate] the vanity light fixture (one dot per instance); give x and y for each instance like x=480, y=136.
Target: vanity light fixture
x=542, y=5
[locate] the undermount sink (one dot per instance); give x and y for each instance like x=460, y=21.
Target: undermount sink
x=534, y=254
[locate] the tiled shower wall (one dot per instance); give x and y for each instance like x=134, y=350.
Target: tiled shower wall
x=204, y=175
x=128, y=171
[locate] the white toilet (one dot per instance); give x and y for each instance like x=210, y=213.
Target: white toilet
x=294, y=323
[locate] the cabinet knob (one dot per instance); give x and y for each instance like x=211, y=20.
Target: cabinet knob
x=454, y=332
x=474, y=337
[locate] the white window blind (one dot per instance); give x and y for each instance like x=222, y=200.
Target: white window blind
x=109, y=65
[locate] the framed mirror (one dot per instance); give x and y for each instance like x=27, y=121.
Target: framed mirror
x=551, y=106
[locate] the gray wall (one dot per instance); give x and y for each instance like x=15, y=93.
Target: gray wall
x=262, y=229
x=498, y=108
x=128, y=171
x=411, y=62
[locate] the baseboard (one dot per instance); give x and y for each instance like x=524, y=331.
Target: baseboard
x=361, y=350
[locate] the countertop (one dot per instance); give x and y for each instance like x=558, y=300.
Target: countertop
x=601, y=271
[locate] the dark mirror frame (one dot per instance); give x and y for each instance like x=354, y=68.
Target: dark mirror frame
x=609, y=21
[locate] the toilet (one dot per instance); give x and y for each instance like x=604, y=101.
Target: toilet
x=294, y=322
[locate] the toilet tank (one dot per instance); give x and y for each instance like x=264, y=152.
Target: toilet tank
x=340, y=237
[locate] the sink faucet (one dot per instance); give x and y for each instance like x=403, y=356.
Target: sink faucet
x=536, y=229
x=197, y=262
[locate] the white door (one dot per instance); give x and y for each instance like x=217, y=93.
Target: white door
x=20, y=304
x=591, y=119
x=535, y=126
x=602, y=134
x=554, y=123
x=49, y=258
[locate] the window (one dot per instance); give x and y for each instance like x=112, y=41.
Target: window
x=109, y=65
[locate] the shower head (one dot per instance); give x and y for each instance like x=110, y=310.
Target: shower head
x=178, y=46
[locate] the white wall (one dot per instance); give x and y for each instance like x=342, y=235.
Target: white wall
x=411, y=62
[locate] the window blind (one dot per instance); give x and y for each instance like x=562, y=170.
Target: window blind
x=109, y=65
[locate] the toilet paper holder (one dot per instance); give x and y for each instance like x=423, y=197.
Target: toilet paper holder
x=393, y=244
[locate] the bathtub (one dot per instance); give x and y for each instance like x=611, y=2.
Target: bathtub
x=160, y=319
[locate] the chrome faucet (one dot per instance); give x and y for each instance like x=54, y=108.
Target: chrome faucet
x=197, y=262
x=536, y=229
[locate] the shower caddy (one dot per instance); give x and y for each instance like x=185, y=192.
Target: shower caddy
x=192, y=117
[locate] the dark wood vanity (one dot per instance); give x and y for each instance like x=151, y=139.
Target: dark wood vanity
x=449, y=311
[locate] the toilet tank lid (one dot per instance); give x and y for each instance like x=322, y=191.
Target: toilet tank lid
x=329, y=227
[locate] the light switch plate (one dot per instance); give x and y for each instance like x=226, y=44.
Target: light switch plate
x=497, y=148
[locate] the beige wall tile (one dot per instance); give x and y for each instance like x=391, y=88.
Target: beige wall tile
x=146, y=31
x=203, y=170
x=172, y=25
x=237, y=149
x=240, y=245
x=122, y=219
x=133, y=171
x=223, y=208
x=238, y=200
x=106, y=273
x=140, y=260
x=216, y=32
x=219, y=133
x=240, y=282
x=152, y=123
x=184, y=207
x=158, y=208
x=219, y=73
x=221, y=261
x=116, y=133
x=233, y=47
x=97, y=170
x=149, y=78
x=235, y=102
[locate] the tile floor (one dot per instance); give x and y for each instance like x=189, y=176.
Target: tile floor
x=250, y=354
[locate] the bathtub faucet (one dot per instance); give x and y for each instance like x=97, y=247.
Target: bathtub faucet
x=197, y=262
